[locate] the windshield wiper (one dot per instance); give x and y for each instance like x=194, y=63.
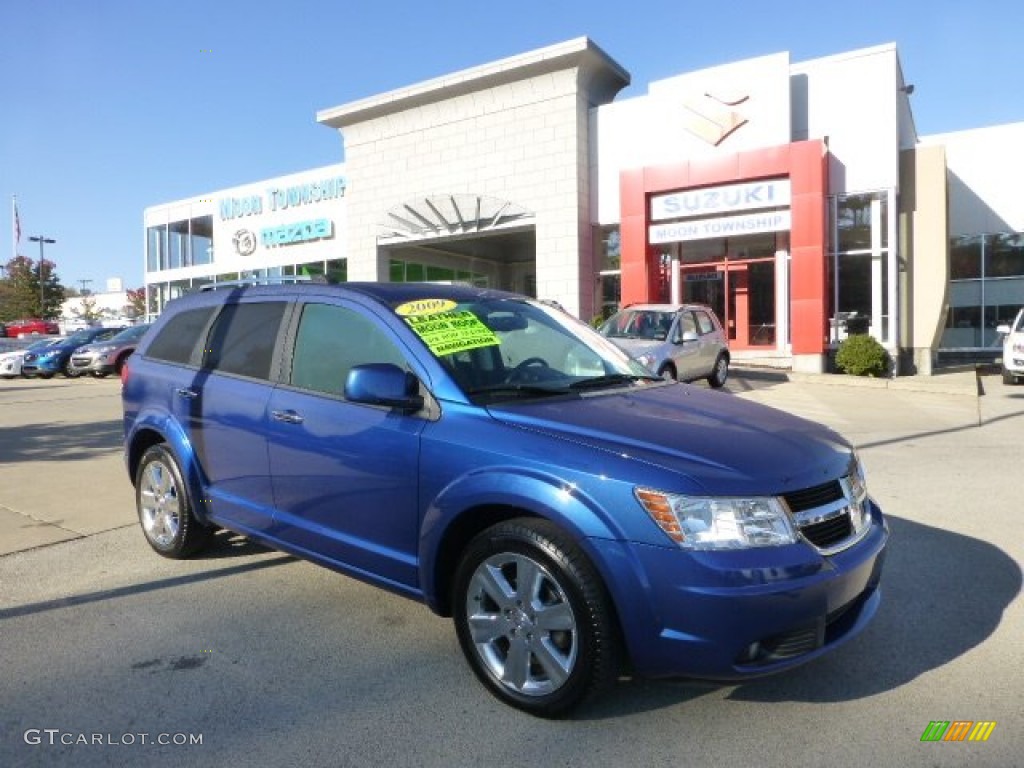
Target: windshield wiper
x=517, y=389
x=612, y=380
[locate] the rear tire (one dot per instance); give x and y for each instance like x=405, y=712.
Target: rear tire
x=534, y=619
x=165, y=506
x=720, y=373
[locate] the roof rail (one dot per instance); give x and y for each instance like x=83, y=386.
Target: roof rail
x=277, y=280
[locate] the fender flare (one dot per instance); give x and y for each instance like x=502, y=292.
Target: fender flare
x=174, y=437
x=531, y=492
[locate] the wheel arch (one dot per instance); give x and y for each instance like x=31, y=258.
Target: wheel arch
x=148, y=434
x=453, y=542
x=479, y=501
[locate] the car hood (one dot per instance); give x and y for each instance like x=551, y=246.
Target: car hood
x=637, y=347
x=723, y=444
x=91, y=346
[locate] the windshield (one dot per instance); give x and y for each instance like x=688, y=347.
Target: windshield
x=650, y=324
x=81, y=337
x=505, y=348
x=133, y=333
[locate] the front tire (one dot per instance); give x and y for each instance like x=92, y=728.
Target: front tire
x=720, y=373
x=534, y=619
x=165, y=506
x=1008, y=378
x=667, y=372
x=69, y=372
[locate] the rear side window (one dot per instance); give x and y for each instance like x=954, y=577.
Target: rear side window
x=179, y=337
x=706, y=326
x=330, y=341
x=243, y=337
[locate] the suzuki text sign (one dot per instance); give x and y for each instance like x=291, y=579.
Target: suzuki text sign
x=715, y=200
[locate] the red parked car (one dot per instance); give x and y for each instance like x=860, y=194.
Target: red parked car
x=17, y=327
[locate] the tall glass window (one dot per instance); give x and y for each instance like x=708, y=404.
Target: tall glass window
x=609, y=270
x=179, y=244
x=201, y=240
x=986, y=288
x=861, y=278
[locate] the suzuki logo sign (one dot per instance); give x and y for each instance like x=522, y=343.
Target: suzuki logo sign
x=711, y=117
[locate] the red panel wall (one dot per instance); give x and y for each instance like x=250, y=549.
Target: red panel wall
x=805, y=164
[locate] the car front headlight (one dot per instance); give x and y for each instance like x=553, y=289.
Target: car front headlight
x=99, y=350
x=645, y=360
x=718, y=522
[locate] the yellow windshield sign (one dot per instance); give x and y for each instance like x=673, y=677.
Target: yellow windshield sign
x=425, y=307
x=448, y=332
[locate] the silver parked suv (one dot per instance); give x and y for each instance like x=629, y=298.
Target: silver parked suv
x=105, y=357
x=678, y=341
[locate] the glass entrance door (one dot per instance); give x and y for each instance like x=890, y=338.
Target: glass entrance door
x=742, y=294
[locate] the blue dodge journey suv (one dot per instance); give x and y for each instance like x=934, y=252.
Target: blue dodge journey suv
x=509, y=467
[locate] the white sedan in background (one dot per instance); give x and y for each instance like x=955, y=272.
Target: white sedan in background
x=10, y=362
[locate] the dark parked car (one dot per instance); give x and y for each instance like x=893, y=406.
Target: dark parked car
x=509, y=467
x=57, y=358
x=101, y=358
x=16, y=328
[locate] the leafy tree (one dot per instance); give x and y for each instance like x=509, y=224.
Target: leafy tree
x=136, y=306
x=87, y=310
x=20, y=291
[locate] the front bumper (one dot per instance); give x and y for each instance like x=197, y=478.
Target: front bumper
x=10, y=368
x=745, y=613
x=41, y=368
x=91, y=363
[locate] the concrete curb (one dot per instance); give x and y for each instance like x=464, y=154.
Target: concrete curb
x=960, y=382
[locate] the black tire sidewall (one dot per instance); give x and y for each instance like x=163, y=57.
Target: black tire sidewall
x=576, y=577
x=714, y=379
x=190, y=532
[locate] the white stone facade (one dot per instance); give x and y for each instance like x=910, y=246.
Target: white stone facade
x=516, y=130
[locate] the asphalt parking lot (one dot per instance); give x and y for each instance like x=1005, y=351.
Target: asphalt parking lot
x=268, y=657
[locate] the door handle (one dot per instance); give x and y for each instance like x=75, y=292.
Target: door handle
x=188, y=394
x=288, y=417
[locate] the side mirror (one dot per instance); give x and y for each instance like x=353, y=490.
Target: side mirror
x=1003, y=329
x=688, y=336
x=383, y=384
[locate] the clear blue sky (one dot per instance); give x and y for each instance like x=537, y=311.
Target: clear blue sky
x=110, y=106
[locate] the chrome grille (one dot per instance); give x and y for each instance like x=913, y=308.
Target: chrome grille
x=822, y=513
x=829, y=532
x=818, y=496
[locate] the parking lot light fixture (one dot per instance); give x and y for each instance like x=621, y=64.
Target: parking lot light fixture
x=42, y=284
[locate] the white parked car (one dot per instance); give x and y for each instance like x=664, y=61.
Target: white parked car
x=1013, y=349
x=10, y=362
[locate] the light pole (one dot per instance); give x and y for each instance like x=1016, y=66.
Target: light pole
x=42, y=286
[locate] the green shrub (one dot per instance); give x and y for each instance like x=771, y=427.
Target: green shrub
x=862, y=355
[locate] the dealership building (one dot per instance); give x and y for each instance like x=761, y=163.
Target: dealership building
x=795, y=198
